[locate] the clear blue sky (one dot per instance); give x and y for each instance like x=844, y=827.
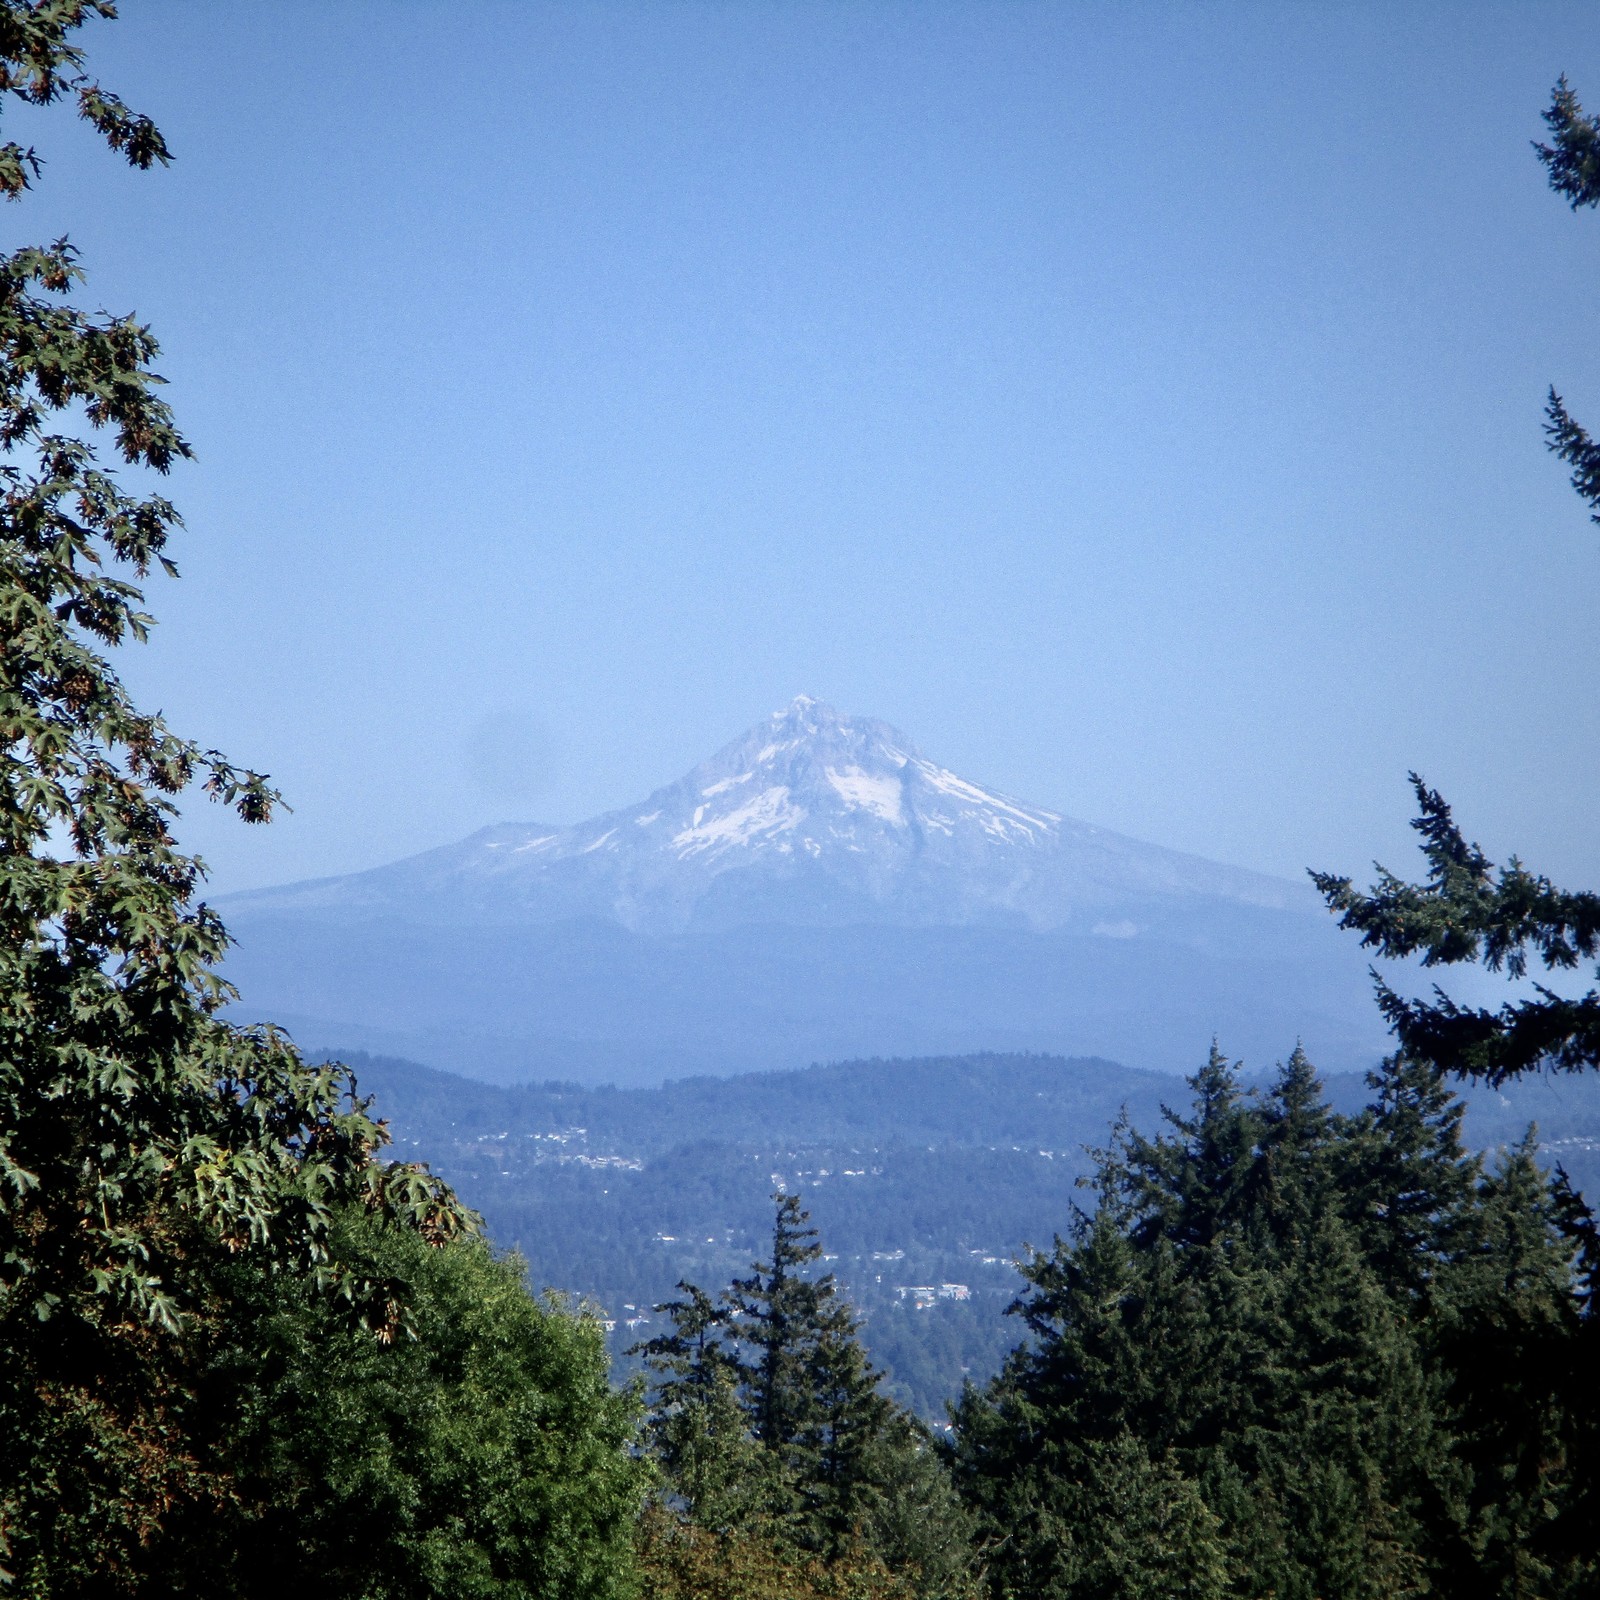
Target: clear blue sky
x=1138, y=404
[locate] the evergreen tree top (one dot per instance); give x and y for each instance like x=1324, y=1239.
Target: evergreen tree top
x=1572, y=159
x=1468, y=911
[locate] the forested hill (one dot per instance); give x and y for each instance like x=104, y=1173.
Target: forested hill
x=1029, y=1100
x=925, y=1176
x=965, y=1099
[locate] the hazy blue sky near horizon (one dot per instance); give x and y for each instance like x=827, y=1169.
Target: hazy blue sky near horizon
x=1139, y=405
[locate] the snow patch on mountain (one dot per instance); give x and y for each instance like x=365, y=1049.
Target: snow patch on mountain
x=868, y=791
x=768, y=814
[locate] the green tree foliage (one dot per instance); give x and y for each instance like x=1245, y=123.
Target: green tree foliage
x=1572, y=162
x=809, y=1391
x=698, y=1431
x=1340, y=1357
x=1467, y=910
x=1271, y=1360
x=771, y=1434
x=1516, y=1318
x=1413, y=1176
x=1506, y=1329
x=235, y=1345
x=486, y=1454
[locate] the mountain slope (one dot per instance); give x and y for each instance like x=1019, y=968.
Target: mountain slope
x=811, y=816
x=818, y=889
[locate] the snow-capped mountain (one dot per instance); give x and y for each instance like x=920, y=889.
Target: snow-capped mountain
x=817, y=890
x=810, y=817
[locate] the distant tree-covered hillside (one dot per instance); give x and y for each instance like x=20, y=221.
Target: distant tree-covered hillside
x=927, y=1178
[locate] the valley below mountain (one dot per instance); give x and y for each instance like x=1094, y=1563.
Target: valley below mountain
x=927, y=1179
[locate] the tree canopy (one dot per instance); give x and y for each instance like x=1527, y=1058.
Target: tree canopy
x=776, y=1445
x=1467, y=909
x=176, y=1190
x=1289, y=1352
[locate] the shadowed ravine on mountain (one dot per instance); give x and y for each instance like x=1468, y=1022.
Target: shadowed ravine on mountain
x=817, y=889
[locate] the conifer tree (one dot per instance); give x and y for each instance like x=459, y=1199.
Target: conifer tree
x=1506, y=1335
x=697, y=1429
x=1409, y=1181
x=772, y=1435
x=845, y=1438
x=914, y=1522
x=1214, y=1317
x=1188, y=1189
x=780, y=1308
x=1506, y=919
x=1467, y=909
x=810, y=1394
x=1297, y=1132
x=1572, y=163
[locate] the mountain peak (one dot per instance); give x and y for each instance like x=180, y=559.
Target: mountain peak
x=799, y=746
x=813, y=814
x=817, y=888
x=811, y=719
